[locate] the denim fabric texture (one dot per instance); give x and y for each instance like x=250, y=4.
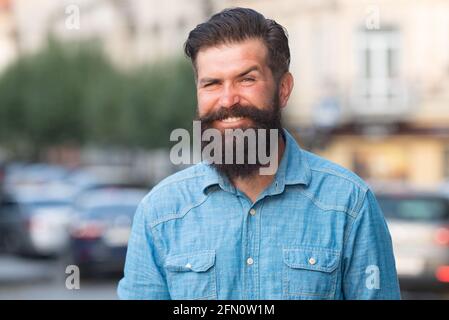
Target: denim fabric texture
x=316, y=232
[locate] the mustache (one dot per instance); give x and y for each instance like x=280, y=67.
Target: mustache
x=255, y=114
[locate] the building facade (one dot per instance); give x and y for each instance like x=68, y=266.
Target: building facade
x=371, y=78
x=371, y=83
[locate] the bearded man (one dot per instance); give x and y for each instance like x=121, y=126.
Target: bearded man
x=227, y=230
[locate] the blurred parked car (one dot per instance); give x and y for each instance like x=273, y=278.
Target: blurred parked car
x=2, y=175
x=9, y=222
x=101, y=227
x=23, y=174
x=2, y=180
x=419, y=227
x=34, y=219
x=101, y=176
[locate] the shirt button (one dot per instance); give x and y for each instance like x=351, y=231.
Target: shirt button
x=252, y=212
x=312, y=261
x=250, y=261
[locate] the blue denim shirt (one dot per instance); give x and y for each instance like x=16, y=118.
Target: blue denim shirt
x=316, y=232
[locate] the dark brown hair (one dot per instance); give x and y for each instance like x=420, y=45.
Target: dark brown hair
x=238, y=24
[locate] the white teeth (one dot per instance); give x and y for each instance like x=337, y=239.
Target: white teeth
x=232, y=119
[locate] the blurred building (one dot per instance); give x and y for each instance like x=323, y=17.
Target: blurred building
x=131, y=31
x=8, y=49
x=371, y=79
x=372, y=83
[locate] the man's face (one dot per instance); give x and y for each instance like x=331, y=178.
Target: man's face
x=236, y=90
x=235, y=77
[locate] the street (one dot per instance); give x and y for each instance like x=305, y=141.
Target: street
x=25, y=278
x=36, y=279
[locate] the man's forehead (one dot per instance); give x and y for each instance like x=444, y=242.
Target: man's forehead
x=232, y=57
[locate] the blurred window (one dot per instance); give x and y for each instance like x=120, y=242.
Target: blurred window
x=7, y=202
x=378, y=87
x=379, y=51
x=8, y=207
x=446, y=162
x=156, y=30
x=416, y=209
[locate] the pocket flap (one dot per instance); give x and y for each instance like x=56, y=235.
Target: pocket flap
x=195, y=261
x=318, y=259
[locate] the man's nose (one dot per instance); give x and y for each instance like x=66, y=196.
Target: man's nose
x=229, y=96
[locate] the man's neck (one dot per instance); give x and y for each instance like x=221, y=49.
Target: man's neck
x=253, y=186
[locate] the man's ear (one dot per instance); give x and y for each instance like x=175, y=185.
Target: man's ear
x=285, y=88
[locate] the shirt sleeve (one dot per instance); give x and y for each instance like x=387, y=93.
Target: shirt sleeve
x=369, y=265
x=143, y=277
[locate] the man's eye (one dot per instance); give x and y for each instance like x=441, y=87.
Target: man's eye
x=247, y=79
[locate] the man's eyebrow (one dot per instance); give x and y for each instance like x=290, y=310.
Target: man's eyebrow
x=208, y=80
x=212, y=80
x=253, y=68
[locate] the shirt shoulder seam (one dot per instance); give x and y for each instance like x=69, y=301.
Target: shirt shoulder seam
x=179, y=215
x=171, y=182
x=326, y=207
x=364, y=188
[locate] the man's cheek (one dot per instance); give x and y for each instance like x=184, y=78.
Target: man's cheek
x=205, y=105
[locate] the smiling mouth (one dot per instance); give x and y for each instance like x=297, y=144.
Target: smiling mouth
x=232, y=119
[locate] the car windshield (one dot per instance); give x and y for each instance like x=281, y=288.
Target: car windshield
x=414, y=209
x=105, y=212
x=46, y=204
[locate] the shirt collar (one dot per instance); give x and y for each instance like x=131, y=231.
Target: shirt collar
x=214, y=178
x=293, y=169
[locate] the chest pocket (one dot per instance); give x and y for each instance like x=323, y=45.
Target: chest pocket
x=309, y=273
x=191, y=275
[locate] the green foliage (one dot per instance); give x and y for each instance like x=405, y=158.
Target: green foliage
x=72, y=93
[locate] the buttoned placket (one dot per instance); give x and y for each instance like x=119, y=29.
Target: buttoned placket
x=251, y=242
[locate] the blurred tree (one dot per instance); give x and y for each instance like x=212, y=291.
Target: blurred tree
x=72, y=93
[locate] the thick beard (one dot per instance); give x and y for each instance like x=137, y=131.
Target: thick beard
x=261, y=119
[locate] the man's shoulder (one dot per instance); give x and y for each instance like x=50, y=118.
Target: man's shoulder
x=334, y=186
x=192, y=176
x=175, y=194
x=324, y=168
